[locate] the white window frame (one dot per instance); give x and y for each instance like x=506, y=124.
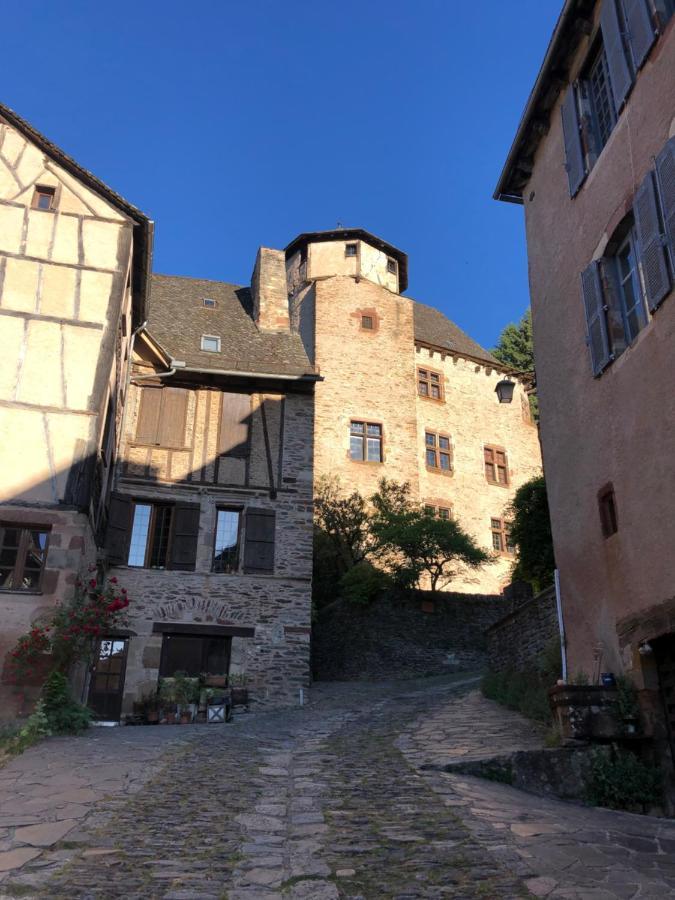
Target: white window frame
x=210, y=337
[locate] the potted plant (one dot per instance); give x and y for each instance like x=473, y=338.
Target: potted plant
x=184, y=694
x=167, y=695
x=627, y=706
x=239, y=690
x=151, y=704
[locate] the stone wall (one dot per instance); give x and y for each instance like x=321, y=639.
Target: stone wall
x=516, y=641
x=423, y=634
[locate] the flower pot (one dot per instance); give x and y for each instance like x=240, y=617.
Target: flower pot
x=185, y=718
x=152, y=716
x=219, y=681
x=171, y=718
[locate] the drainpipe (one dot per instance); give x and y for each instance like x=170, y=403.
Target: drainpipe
x=561, y=626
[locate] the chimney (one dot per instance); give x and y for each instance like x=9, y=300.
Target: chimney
x=270, y=291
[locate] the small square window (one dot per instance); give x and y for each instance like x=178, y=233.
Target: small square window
x=209, y=303
x=211, y=343
x=607, y=508
x=367, y=323
x=392, y=266
x=44, y=197
x=350, y=250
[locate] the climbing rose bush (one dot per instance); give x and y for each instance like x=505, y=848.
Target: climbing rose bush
x=95, y=609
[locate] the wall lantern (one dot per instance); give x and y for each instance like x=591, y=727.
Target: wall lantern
x=504, y=390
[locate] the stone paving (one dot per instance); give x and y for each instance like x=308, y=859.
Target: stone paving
x=333, y=800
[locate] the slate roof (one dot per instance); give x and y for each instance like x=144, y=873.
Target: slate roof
x=432, y=327
x=178, y=319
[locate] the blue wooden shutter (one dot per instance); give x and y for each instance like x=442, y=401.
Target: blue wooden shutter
x=665, y=176
x=620, y=75
x=574, y=152
x=640, y=28
x=594, y=305
x=185, y=536
x=651, y=249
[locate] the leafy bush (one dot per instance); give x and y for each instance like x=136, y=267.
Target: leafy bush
x=64, y=714
x=531, y=533
x=526, y=691
x=620, y=780
x=364, y=583
x=15, y=739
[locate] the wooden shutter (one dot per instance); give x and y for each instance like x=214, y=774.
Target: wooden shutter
x=598, y=342
x=651, y=249
x=640, y=28
x=665, y=176
x=574, y=151
x=620, y=75
x=119, y=529
x=148, y=415
x=259, y=545
x=183, y=554
x=171, y=432
x=235, y=418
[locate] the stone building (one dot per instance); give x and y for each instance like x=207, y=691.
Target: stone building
x=406, y=394
x=593, y=163
x=73, y=270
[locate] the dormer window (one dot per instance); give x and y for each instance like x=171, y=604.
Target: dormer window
x=392, y=266
x=44, y=197
x=211, y=343
x=350, y=249
x=209, y=303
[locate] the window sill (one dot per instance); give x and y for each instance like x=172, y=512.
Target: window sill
x=159, y=446
x=500, y=484
x=21, y=592
x=432, y=399
x=367, y=462
x=434, y=470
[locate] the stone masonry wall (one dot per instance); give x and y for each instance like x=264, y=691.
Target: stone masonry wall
x=425, y=634
x=516, y=641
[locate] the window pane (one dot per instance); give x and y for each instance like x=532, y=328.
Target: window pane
x=357, y=427
x=435, y=392
x=496, y=541
x=225, y=555
x=430, y=439
x=444, y=443
x=502, y=475
x=210, y=344
x=374, y=429
x=496, y=524
x=431, y=458
x=160, y=537
x=424, y=388
x=374, y=450
x=443, y=512
x=139, y=534
x=356, y=447
x=11, y=537
x=490, y=471
x=501, y=458
x=8, y=557
x=435, y=377
x=445, y=461
x=430, y=510
x=367, y=322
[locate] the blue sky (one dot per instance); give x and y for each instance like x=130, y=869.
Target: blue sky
x=236, y=124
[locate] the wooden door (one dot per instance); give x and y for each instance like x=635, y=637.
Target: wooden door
x=664, y=648
x=107, y=678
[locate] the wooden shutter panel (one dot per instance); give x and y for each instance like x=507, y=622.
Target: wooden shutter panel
x=185, y=536
x=235, y=418
x=598, y=342
x=641, y=34
x=259, y=546
x=574, y=151
x=171, y=432
x=665, y=176
x=620, y=75
x=651, y=249
x=119, y=529
x=147, y=423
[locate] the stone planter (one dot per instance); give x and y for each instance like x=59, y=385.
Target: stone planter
x=586, y=712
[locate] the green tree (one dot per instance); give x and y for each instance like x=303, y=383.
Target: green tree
x=413, y=542
x=515, y=348
x=531, y=534
x=343, y=520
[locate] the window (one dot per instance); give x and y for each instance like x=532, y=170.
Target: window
x=496, y=468
x=145, y=534
x=365, y=441
x=501, y=536
x=443, y=512
x=392, y=266
x=211, y=343
x=350, y=249
x=209, y=303
x=194, y=654
x=44, y=197
x=150, y=533
x=161, y=418
x=602, y=100
x=367, y=323
x=226, y=547
x=429, y=384
x=438, y=452
x=607, y=508
x=23, y=553
x=630, y=290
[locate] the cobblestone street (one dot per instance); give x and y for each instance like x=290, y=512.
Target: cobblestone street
x=325, y=801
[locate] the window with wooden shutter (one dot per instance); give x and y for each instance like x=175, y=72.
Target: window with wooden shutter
x=594, y=306
x=235, y=418
x=162, y=415
x=496, y=465
x=574, y=152
x=620, y=74
x=639, y=30
x=259, y=541
x=183, y=552
x=119, y=528
x=665, y=177
x=651, y=242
